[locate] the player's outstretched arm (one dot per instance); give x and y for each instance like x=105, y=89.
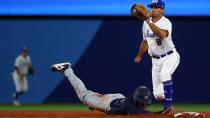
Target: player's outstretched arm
x=142, y=49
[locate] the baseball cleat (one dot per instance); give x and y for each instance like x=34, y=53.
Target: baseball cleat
x=16, y=102
x=61, y=67
x=168, y=111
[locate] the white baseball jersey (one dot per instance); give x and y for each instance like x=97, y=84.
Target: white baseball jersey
x=155, y=45
x=163, y=68
x=23, y=64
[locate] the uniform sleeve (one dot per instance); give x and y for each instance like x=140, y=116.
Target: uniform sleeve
x=143, y=31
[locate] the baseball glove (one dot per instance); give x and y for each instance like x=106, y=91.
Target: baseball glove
x=140, y=12
x=30, y=71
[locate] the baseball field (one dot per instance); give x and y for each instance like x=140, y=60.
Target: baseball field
x=82, y=111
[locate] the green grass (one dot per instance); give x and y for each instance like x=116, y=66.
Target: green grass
x=81, y=107
x=46, y=107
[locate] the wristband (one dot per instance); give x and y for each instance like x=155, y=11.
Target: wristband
x=149, y=21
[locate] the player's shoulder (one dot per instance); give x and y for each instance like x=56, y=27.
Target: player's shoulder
x=19, y=57
x=165, y=19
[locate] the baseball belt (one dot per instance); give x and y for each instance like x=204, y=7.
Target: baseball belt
x=163, y=55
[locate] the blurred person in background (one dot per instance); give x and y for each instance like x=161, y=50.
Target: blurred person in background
x=22, y=69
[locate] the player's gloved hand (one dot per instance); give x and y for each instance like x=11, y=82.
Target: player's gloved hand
x=137, y=59
x=21, y=77
x=140, y=12
x=30, y=71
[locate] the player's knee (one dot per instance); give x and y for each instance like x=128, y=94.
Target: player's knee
x=165, y=77
x=81, y=98
x=81, y=95
x=159, y=96
x=18, y=89
x=24, y=89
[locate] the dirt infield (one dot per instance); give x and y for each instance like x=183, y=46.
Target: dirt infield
x=70, y=114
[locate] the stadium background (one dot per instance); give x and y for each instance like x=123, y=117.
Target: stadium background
x=101, y=48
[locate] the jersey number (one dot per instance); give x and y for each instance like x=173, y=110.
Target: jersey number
x=159, y=43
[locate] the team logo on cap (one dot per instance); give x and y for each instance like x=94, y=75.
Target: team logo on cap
x=155, y=1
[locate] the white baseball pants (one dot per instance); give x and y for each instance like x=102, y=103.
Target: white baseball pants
x=20, y=84
x=162, y=70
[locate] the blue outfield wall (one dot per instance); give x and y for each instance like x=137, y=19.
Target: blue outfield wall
x=102, y=53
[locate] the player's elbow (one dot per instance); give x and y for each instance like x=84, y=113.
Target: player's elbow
x=161, y=37
x=163, y=34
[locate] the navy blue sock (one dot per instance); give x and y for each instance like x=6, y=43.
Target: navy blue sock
x=17, y=94
x=168, y=89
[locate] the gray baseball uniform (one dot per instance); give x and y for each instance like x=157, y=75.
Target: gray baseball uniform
x=22, y=64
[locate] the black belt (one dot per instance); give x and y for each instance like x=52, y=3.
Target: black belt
x=163, y=55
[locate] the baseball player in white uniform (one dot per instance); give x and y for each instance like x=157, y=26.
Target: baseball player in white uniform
x=22, y=65
x=157, y=40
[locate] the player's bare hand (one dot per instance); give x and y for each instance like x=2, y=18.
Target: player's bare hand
x=21, y=77
x=137, y=59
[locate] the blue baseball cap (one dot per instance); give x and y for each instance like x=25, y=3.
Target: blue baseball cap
x=25, y=49
x=157, y=3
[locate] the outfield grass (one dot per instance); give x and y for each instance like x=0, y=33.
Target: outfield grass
x=46, y=107
x=81, y=107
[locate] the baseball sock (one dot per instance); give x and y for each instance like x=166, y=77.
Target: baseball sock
x=168, y=89
x=76, y=83
x=17, y=94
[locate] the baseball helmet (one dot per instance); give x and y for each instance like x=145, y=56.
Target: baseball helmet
x=142, y=95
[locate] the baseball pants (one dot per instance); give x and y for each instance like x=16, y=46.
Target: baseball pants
x=162, y=70
x=21, y=85
x=92, y=99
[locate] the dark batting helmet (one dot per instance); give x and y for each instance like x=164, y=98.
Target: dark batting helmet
x=142, y=95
